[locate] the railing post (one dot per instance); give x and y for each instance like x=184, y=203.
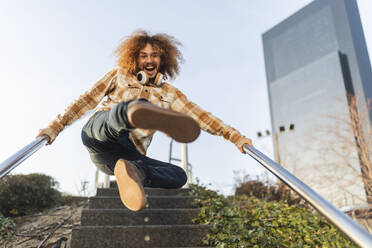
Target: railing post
x=96, y=180
x=184, y=162
x=106, y=181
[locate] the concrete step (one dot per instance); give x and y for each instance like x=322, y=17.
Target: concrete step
x=138, y=236
x=109, y=202
x=149, y=191
x=113, y=217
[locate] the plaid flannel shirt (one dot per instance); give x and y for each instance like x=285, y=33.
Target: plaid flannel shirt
x=117, y=88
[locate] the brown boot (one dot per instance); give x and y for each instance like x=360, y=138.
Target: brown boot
x=130, y=184
x=178, y=126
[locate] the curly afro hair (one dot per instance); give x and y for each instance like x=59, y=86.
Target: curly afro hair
x=127, y=52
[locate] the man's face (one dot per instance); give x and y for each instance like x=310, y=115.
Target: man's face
x=149, y=60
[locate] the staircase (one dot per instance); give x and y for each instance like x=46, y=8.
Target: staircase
x=165, y=222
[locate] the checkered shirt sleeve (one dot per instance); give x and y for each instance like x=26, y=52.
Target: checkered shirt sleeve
x=87, y=101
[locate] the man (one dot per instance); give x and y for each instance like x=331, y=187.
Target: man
x=139, y=102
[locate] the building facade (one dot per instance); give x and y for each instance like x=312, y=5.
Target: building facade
x=314, y=59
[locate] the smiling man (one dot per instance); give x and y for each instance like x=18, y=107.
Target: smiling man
x=139, y=102
x=149, y=60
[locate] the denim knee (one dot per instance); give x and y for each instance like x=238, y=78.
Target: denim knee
x=118, y=119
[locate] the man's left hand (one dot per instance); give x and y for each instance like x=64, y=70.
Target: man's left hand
x=243, y=141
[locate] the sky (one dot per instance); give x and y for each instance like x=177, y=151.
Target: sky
x=53, y=51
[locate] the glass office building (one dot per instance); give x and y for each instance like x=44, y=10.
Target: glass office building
x=313, y=60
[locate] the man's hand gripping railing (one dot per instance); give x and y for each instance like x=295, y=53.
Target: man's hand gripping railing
x=343, y=222
x=13, y=161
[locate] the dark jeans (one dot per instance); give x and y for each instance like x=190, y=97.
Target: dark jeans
x=106, y=136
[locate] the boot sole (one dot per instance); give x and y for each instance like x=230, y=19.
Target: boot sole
x=130, y=187
x=180, y=127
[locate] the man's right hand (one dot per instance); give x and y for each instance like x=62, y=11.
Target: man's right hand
x=242, y=142
x=49, y=133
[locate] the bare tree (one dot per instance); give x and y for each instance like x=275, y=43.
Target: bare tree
x=348, y=143
x=83, y=188
x=363, y=142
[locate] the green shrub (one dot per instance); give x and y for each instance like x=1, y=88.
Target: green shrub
x=7, y=227
x=26, y=194
x=263, y=188
x=243, y=221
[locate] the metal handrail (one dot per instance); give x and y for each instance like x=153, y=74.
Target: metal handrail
x=354, y=231
x=13, y=161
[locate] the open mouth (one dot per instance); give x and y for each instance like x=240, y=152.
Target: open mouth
x=150, y=69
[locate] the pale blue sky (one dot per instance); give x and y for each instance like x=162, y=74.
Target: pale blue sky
x=52, y=51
